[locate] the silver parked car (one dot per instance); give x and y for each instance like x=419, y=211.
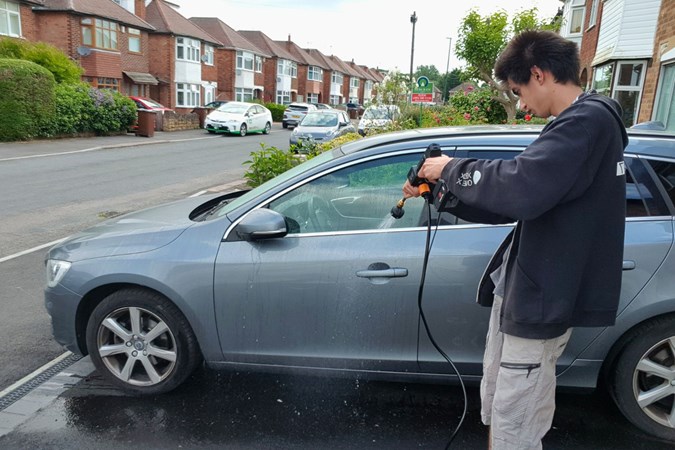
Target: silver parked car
x=310, y=271
x=322, y=126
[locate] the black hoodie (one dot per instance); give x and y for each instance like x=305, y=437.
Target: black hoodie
x=567, y=191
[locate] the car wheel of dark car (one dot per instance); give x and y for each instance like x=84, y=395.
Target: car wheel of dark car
x=284, y=125
x=141, y=342
x=243, y=130
x=267, y=128
x=211, y=131
x=643, y=384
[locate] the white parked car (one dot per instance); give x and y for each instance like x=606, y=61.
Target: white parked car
x=378, y=117
x=295, y=112
x=239, y=118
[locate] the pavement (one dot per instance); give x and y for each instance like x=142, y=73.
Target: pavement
x=42, y=147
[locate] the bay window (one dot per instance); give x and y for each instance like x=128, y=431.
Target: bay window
x=187, y=95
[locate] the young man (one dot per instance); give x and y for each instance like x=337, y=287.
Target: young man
x=561, y=266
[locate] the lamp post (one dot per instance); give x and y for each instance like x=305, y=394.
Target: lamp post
x=447, y=68
x=413, y=20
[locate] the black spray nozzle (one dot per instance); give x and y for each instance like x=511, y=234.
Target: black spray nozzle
x=397, y=211
x=432, y=151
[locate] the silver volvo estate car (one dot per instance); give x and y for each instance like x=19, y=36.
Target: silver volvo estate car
x=310, y=271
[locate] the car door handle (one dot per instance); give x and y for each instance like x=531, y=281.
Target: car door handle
x=393, y=272
x=628, y=265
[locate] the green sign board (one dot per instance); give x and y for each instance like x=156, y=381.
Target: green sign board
x=423, y=91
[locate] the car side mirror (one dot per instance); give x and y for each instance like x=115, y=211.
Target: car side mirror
x=262, y=224
x=343, y=124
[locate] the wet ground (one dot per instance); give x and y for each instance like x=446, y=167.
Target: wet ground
x=227, y=410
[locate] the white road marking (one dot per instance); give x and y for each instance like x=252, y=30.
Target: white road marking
x=31, y=250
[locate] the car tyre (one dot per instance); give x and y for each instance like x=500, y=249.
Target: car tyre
x=284, y=125
x=211, y=131
x=141, y=342
x=643, y=383
x=268, y=127
x=243, y=130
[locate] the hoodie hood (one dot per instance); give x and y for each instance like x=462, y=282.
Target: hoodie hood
x=611, y=105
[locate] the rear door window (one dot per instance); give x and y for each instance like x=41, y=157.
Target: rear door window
x=664, y=172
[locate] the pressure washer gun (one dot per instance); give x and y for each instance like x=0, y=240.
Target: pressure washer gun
x=426, y=189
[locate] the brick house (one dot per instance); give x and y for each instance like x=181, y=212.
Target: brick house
x=281, y=70
x=18, y=20
x=240, y=63
x=182, y=59
x=366, y=81
x=109, y=42
x=310, y=73
x=333, y=78
x=627, y=50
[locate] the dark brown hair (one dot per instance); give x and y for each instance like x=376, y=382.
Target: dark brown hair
x=545, y=49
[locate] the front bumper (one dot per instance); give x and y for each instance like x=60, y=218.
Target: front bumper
x=61, y=304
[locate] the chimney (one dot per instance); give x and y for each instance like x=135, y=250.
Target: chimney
x=139, y=8
x=289, y=37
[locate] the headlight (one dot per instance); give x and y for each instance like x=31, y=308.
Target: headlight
x=56, y=270
x=295, y=131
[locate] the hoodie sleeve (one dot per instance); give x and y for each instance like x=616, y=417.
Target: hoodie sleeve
x=550, y=169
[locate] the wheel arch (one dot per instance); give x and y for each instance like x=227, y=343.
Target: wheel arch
x=616, y=350
x=95, y=296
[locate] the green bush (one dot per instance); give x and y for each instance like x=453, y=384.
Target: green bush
x=267, y=163
x=45, y=55
x=26, y=99
x=478, y=106
x=277, y=111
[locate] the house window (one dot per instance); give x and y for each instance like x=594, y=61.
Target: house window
x=576, y=17
x=99, y=33
x=243, y=94
x=108, y=83
x=628, y=88
x=286, y=67
x=187, y=49
x=354, y=82
x=337, y=78
x=244, y=60
x=665, y=102
x=283, y=97
x=187, y=95
x=258, y=64
x=335, y=99
x=10, y=19
x=134, y=40
x=594, y=13
x=315, y=73
x=208, y=54
x=369, y=86
x=602, y=79
x=312, y=98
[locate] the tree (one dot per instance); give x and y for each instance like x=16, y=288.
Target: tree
x=431, y=72
x=481, y=40
x=450, y=80
x=393, y=90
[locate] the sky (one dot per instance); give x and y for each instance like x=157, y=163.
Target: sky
x=375, y=33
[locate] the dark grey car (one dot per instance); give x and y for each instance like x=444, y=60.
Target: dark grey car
x=310, y=271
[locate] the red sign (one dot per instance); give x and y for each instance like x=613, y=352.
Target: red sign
x=422, y=98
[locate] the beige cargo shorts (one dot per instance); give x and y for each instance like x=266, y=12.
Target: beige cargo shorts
x=518, y=386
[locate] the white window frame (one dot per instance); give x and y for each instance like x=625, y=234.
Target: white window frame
x=335, y=99
x=594, y=13
x=190, y=95
x=10, y=17
x=337, y=78
x=312, y=97
x=190, y=49
x=244, y=60
x=315, y=73
x=243, y=94
x=576, y=7
x=283, y=97
x=354, y=82
x=608, y=89
x=663, y=105
x=616, y=88
x=209, y=52
x=287, y=67
x=258, y=63
x=209, y=94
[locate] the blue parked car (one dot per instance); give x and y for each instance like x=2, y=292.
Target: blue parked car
x=310, y=271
